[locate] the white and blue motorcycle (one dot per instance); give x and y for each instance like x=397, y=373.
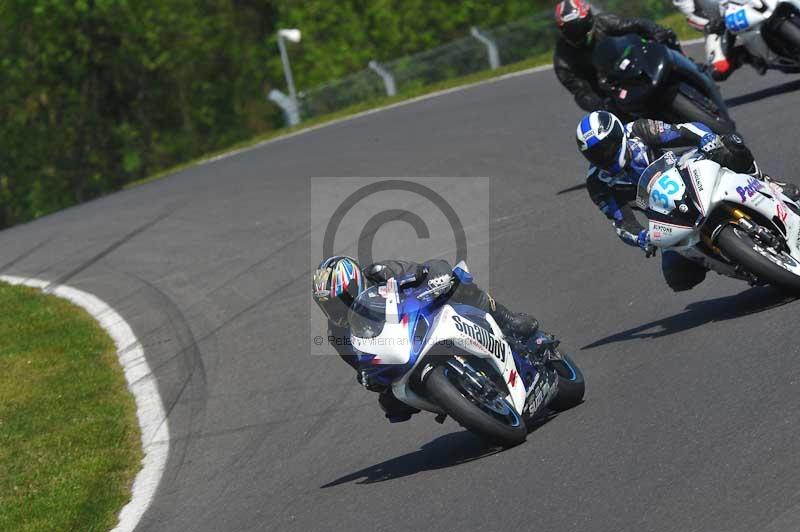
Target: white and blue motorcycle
x=453, y=360
x=769, y=29
x=734, y=224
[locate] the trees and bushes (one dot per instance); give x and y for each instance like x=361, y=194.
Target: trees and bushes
x=96, y=93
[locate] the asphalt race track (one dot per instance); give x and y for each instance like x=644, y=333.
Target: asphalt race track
x=692, y=410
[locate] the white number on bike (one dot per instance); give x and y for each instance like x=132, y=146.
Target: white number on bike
x=737, y=21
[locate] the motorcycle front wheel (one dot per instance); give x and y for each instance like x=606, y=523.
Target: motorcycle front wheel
x=768, y=265
x=494, y=419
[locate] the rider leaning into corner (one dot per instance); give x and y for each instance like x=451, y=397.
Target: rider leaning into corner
x=339, y=280
x=723, y=57
x=620, y=153
x=580, y=30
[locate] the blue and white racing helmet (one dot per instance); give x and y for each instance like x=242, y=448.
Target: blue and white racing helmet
x=603, y=140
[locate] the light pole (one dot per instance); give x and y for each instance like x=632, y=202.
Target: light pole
x=293, y=35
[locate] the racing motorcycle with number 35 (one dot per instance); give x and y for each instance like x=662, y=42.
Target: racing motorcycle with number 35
x=770, y=29
x=453, y=360
x=734, y=224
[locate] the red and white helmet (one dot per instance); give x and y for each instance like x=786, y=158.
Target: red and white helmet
x=575, y=21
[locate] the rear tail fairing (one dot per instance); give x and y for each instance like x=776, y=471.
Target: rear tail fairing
x=756, y=25
x=741, y=16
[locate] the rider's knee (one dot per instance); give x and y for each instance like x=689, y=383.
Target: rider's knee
x=680, y=273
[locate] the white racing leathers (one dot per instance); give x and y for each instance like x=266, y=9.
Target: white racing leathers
x=698, y=14
x=768, y=29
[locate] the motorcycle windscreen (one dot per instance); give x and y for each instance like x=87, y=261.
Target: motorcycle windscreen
x=611, y=52
x=655, y=62
x=367, y=315
x=660, y=185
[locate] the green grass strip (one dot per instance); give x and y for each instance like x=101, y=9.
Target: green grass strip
x=69, y=439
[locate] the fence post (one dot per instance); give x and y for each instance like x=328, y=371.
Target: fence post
x=287, y=105
x=388, y=78
x=491, y=47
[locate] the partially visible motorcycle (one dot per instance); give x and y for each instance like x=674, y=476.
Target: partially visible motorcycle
x=770, y=29
x=647, y=79
x=734, y=224
x=453, y=360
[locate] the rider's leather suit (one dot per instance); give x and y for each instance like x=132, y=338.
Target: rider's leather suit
x=615, y=194
x=464, y=291
x=573, y=65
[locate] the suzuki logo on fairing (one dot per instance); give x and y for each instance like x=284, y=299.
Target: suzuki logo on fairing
x=483, y=337
x=753, y=186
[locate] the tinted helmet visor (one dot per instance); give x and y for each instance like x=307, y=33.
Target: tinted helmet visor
x=576, y=32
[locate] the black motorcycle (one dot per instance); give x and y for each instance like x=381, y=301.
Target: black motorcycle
x=646, y=79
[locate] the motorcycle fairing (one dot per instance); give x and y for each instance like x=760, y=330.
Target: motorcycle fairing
x=446, y=332
x=471, y=331
x=753, y=24
x=713, y=185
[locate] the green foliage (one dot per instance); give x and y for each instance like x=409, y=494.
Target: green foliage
x=98, y=93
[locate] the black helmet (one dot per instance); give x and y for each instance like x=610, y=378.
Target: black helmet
x=575, y=21
x=603, y=140
x=338, y=281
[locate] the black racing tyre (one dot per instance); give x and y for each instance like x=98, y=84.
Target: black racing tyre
x=571, y=385
x=444, y=392
x=739, y=247
x=685, y=110
x=790, y=33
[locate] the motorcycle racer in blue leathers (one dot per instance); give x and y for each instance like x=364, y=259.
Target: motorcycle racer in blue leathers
x=339, y=280
x=619, y=153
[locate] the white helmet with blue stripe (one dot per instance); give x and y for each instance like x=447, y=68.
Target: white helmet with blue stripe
x=603, y=140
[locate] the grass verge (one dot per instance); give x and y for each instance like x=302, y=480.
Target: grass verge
x=69, y=440
x=676, y=21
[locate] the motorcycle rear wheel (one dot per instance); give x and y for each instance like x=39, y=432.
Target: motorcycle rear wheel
x=686, y=110
x=444, y=388
x=790, y=33
x=738, y=246
x=571, y=386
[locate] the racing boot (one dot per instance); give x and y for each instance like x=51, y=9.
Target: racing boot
x=517, y=324
x=396, y=410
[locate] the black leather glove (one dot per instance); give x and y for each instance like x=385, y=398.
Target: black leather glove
x=377, y=273
x=370, y=382
x=715, y=26
x=668, y=37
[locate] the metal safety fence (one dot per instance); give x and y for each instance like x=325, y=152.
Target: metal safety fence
x=482, y=49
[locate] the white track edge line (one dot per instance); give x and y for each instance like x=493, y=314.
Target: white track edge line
x=141, y=383
x=410, y=101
